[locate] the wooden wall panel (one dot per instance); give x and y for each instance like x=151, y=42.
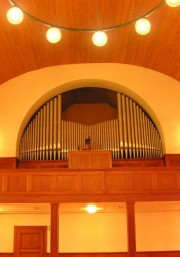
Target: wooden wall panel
x=42, y=164
x=116, y=183
x=139, y=162
x=167, y=182
x=67, y=183
x=103, y=160
x=8, y=162
x=146, y=184
x=79, y=162
x=100, y=159
x=17, y=183
x=142, y=182
x=92, y=182
x=172, y=160
x=41, y=183
x=116, y=163
x=6, y=254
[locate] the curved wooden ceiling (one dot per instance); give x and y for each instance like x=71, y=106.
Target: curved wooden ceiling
x=24, y=47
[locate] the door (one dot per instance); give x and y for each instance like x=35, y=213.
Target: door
x=30, y=241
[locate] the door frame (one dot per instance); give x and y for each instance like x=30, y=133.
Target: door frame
x=16, y=242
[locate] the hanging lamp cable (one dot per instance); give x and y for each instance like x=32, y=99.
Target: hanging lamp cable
x=147, y=14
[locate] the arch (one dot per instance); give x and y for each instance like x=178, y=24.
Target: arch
x=158, y=91
x=89, y=83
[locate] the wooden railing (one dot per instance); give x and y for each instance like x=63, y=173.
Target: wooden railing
x=71, y=185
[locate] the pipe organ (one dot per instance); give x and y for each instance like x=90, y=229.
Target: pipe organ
x=132, y=135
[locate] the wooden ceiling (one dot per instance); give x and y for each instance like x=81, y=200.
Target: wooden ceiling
x=24, y=47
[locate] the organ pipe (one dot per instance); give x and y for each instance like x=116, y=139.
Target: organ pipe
x=132, y=135
x=120, y=122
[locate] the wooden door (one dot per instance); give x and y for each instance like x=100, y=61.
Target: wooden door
x=30, y=241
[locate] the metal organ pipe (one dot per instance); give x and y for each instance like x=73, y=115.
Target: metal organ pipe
x=132, y=135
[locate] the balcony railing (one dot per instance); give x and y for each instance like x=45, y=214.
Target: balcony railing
x=71, y=185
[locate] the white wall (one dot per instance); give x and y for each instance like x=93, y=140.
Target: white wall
x=156, y=92
x=158, y=231
x=78, y=232
x=101, y=232
x=8, y=221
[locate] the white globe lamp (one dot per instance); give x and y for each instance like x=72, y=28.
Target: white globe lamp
x=99, y=38
x=173, y=3
x=53, y=35
x=15, y=15
x=143, y=26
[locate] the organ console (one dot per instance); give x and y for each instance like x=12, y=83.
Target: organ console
x=90, y=159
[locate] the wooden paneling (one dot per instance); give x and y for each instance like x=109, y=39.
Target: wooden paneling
x=92, y=182
x=167, y=182
x=137, y=184
x=138, y=162
x=17, y=183
x=42, y=164
x=100, y=159
x=41, y=184
x=111, y=184
x=116, y=182
x=67, y=182
x=6, y=254
x=116, y=163
x=172, y=160
x=8, y=162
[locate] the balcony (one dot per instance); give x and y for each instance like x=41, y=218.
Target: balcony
x=77, y=185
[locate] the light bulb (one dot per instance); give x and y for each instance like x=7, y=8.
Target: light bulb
x=99, y=38
x=15, y=15
x=53, y=35
x=143, y=26
x=173, y=3
x=91, y=208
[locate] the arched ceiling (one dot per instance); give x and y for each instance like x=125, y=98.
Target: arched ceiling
x=24, y=47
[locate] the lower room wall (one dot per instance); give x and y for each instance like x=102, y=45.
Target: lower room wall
x=7, y=223
x=158, y=231
x=78, y=232
x=101, y=234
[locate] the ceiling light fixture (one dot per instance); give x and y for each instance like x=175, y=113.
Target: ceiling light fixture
x=99, y=38
x=142, y=26
x=53, y=35
x=15, y=15
x=173, y=3
x=92, y=208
